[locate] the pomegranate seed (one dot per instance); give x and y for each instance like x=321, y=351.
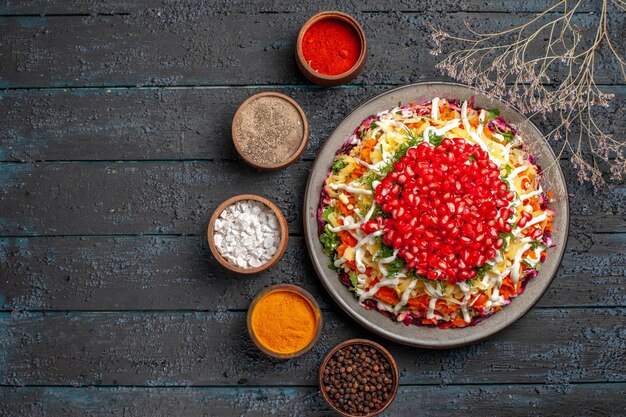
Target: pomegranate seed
x=432, y=274
x=445, y=213
x=369, y=227
x=522, y=222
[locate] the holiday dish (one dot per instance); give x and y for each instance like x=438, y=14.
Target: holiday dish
x=435, y=213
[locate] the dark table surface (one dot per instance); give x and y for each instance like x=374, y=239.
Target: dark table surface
x=115, y=148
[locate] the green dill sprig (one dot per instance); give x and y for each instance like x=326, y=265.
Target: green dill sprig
x=537, y=244
x=384, y=251
x=508, y=135
x=370, y=178
x=354, y=280
x=493, y=113
x=327, y=212
x=330, y=242
x=338, y=165
x=435, y=139
x=400, y=152
x=480, y=272
x=395, y=266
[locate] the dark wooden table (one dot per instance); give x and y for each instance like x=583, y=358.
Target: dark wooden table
x=115, y=148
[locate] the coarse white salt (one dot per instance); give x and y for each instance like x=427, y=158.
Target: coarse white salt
x=247, y=234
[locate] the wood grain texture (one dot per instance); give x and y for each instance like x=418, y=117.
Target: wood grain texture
x=112, y=302
x=500, y=400
x=148, y=124
x=172, y=272
x=13, y=7
x=179, y=197
x=558, y=346
x=181, y=46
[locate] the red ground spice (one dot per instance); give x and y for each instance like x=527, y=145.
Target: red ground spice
x=331, y=46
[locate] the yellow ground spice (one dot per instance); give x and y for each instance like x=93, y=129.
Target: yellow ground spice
x=284, y=321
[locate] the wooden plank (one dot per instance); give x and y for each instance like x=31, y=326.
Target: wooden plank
x=174, y=46
x=555, y=346
x=103, y=198
x=178, y=197
x=507, y=400
x=9, y=7
x=145, y=124
x=171, y=272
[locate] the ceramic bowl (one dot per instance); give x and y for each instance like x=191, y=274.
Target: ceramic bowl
x=331, y=80
x=285, y=287
x=369, y=343
x=427, y=336
x=284, y=234
x=293, y=157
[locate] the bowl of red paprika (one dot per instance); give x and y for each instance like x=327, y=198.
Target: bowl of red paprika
x=331, y=48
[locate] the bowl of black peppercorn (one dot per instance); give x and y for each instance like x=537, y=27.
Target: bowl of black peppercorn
x=358, y=377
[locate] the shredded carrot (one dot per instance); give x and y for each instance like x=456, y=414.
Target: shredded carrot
x=445, y=307
x=388, y=295
x=481, y=302
x=508, y=289
x=347, y=238
x=341, y=249
x=534, y=203
x=358, y=172
x=343, y=209
x=529, y=254
x=366, y=149
x=420, y=302
x=459, y=321
x=351, y=265
x=415, y=125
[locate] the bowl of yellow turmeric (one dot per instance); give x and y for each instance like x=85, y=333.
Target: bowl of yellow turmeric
x=284, y=321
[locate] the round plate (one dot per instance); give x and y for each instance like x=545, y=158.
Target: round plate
x=423, y=336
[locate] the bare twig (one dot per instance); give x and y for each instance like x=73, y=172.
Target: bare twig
x=506, y=65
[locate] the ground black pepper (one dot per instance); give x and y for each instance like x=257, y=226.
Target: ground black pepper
x=268, y=130
x=358, y=379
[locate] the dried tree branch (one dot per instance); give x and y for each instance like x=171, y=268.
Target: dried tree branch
x=506, y=65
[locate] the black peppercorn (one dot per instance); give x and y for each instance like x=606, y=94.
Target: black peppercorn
x=361, y=379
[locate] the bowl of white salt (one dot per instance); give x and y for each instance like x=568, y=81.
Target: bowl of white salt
x=247, y=234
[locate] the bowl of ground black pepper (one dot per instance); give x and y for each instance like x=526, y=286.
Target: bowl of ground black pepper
x=358, y=377
x=270, y=131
